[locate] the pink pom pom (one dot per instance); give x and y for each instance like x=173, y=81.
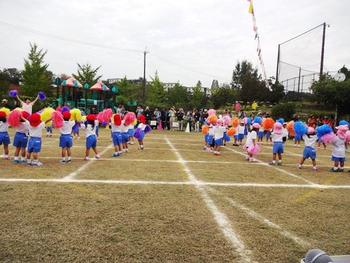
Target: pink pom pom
x=253, y=149
x=100, y=117
x=211, y=112
x=328, y=138
x=107, y=115
x=57, y=119
x=129, y=118
x=347, y=136
x=14, y=118
x=227, y=120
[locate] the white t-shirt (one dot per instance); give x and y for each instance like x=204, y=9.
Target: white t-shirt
x=89, y=129
x=4, y=126
x=219, y=132
x=261, y=129
x=36, y=131
x=310, y=141
x=277, y=137
x=211, y=131
x=124, y=128
x=142, y=126
x=338, y=148
x=116, y=128
x=22, y=128
x=67, y=127
x=285, y=132
x=27, y=107
x=251, y=136
x=241, y=129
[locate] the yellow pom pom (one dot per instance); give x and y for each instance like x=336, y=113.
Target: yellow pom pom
x=46, y=114
x=83, y=118
x=75, y=115
x=6, y=110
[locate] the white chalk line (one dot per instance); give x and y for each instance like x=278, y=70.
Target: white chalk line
x=86, y=165
x=274, y=167
x=265, y=221
x=221, y=219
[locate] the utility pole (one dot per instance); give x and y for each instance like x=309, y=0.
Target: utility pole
x=322, y=50
x=278, y=62
x=144, y=76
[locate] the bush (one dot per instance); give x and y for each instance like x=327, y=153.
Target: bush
x=286, y=111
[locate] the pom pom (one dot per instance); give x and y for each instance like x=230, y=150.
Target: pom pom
x=227, y=120
x=83, y=118
x=13, y=93
x=129, y=118
x=205, y=129
x=147, y=129
x=57, y=119
x=99, y=117
x=235, y=122
x=290, y=128
x=328, y=138
x=323, y=130
x=212, y=119
x=253, y=149
x=220, y=122
x=248, y=120
x=42, y=96
x=258, y=120
x=25, y=114
x=231, y=131
x=343, y=122
x=65, y=108
x=15, y=118
x=300, y=128
x=107, y=114
x=347, y=136
x=6, y=110
x=75, y=115
x=211, y=112
x=268, y=123
x=137, y=133
x=280, y=120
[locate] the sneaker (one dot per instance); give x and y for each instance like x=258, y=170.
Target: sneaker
x=142, y=147
x=97, y=156
x=16, y=161
x=6, y=157
x=334, y=170
x=299, y=166
x=314, y=168
x=272, y=163
x=217, y=153
x=69, y=160
x=37, y=164
x=341, y=170
x=279, y=163
x=115, y=155
x=63, y=161
x=86, y=159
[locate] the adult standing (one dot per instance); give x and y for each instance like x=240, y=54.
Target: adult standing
x=148, y=115
x=237, y=107
x=172, y=117
x=180, y=118
x=27, y=105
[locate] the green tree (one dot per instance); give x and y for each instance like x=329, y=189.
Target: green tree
x=127, y=91
x=198, y=97
x=277, y=92
x=36, y=76
x=223, y=96
x=156, y=96
x=87, y=74
x=9, y=77
x=178, y=96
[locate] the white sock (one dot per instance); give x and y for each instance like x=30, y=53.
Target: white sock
x=16, y=158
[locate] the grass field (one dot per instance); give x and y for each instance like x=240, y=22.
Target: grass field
x=171, y=202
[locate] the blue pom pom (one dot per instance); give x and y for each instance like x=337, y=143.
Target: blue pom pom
x=323, y=130
x=300, y=128
x=13, y=93
x=147, y=129
x=280, y=120
x=258, y=119
x=42, y=95
x=137, y=133
x=343, y=122
x=249, y=121
x=65, y=108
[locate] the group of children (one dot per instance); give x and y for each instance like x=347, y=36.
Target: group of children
x=217, y=133
x=29, y=128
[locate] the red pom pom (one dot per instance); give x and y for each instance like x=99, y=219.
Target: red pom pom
x=57, y=119
x=15, y=118
x=129, y=118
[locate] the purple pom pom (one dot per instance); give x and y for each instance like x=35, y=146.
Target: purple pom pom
x=65, y=108
x=148, y=129
x=42, y=95
x=13, y=93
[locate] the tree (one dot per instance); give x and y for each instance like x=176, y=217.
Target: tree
x=198, y=96
x=127, y=91
x=223, y=96
x=156, y=96
x=277, y=92
x=8, y=78
x=178, y=96
x=87, y=74
x=36, y=76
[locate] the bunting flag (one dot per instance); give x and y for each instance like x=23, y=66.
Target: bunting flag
x=257, y=38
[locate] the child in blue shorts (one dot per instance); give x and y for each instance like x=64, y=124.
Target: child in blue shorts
x=278, y=147
x=339, y=151
x=241, y=130
x=4, y=136
x=90, y=127
x=117, y=135
x=219, y=131
x=310, y=140
x=66, y=141
x=125, y=136
x=21, y=139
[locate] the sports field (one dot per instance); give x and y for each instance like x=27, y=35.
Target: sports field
x=172, y=202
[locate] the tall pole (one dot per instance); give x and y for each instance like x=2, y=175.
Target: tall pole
x=322, y=50
x=144, y=77
x=278, y=61
x=299, y=80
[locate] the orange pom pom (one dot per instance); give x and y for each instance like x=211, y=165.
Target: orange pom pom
x=212, y=119
x=290, y=128
x=231, y=132
x=235, y=122
x=205, y=129
x=268, y=123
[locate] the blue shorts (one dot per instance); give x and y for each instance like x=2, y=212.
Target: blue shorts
x=4, y=138
x=131, y=132
x=297, y=137
x=142, y=135
x=338, y=159
x=278, y=148
x=260, y=134
x=240, y=136
x=309, y=152
x=66, y=141
x=91, y=142
x=268, y=134
x=76, y=128
x=125, y=137
x=219, y=142
x=210, y=139
x=20, y=140
x=117, y=138
x=34, y=145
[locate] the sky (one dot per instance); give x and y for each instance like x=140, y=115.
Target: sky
x=187, y=40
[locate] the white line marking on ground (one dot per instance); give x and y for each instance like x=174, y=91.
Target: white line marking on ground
x=265, y=221
x=274, y=167
x=86, y=165
x=220, y=218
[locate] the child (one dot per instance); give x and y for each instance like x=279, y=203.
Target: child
x=131, y=131
x=66, y=141
x=21, y=139
x=142, y=126
x=117, y=135
x=91, y=138
x=241, y=129
x=339, y=148
x=284, y=132
x=48, y=130
x=278, y=147
x=4, y=136
x=251, y=143
x=35, y=127
x=75, y=130
x=261, y=134
x=219, y=131
x=310, y=140
x=27, y=105
x=125, y=136
x=210, y=138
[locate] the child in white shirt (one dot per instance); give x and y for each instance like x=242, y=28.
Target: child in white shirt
x=310, y=140
x=66, y=140
x=90, y=133
x=241, y=129
x=219, y=131
x=21, y=139
x=251, y=143
x=278, y=147
x=4, y=136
